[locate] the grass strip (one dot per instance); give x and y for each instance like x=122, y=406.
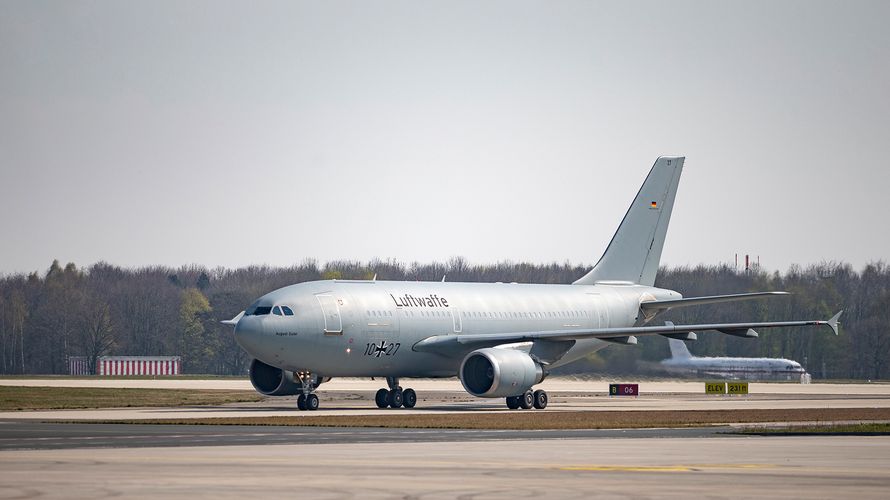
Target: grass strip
x=545, y=420
x=62, y=398
x=858, y=429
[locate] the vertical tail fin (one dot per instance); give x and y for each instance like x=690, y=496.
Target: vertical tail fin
x=635, y=250
x=679, y=349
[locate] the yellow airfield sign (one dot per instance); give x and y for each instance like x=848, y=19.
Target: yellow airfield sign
x=715, y=387
x=737, y=388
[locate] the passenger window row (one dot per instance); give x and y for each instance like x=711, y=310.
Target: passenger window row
x=495, y=315
x=379, y=314
x=526, y=315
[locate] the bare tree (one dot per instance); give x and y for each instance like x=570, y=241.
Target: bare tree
x=96, y=330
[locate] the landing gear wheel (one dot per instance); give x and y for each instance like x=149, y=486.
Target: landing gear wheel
x=395, y=398
x=540, y=399
x=301, y=402
x=381, y=398
x=513, y=402
x=409, y=398
x=312, y=402
x=527, y=400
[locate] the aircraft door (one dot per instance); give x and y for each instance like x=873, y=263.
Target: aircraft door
x=600, y=315
x=456, y=319
x=333, y=324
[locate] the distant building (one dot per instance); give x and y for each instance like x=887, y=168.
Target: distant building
x=126, y=365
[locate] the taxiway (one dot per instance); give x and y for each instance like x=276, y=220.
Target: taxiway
x=55, y=460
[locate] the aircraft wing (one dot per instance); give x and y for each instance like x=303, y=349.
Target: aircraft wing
x=456, y=343
x=655, y=305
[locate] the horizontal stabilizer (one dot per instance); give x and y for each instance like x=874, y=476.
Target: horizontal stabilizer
x=713, y=299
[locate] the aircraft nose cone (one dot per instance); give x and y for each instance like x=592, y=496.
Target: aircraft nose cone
x=247, y=333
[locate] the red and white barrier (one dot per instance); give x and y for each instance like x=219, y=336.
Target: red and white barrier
x=78, y=365
x=138, y=365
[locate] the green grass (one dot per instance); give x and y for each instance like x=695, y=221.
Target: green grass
x=55, y=398
x=860, y=429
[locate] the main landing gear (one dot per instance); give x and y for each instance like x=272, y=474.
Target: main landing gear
x=395, y=397
x=528, y=400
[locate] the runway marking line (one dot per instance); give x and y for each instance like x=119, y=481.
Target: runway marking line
x=664, y=468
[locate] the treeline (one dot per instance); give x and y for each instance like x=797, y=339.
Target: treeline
x=109, y=310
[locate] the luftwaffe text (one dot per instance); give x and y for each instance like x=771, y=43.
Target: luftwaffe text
x=430, y=300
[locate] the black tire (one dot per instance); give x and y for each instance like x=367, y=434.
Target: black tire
x=396, y=398
x=513, y=402
x=527, y=400
x=541, y=399
x=301, y=402
x=409, y=398
x=312, y=402
x=381, y=398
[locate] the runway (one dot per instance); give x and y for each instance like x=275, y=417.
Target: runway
x=55, y=460
x=392, y=466
x=29, y=435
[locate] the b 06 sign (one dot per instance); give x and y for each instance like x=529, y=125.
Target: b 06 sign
x=624, y=389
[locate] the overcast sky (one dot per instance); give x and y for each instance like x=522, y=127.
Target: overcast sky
x=237, y=133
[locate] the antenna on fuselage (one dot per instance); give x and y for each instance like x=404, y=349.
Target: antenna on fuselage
x=374, y=278
x=443, y=277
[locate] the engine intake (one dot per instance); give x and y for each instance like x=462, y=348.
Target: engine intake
x=272, y=381
x=495, y=373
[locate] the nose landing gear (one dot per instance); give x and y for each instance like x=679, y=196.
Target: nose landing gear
x=308, y=400
x=395, y=397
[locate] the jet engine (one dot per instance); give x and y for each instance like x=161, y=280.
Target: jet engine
x=495, y=373
x=273, y=381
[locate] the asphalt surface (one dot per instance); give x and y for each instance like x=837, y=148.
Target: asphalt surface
x=502, y=467
x=40, y=459
x=30, y=435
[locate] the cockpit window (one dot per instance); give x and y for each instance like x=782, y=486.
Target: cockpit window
x=262, y=310
x=276, y=311
x=287, y=311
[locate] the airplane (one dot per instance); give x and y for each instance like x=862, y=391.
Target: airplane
x=499, y=339
x=682, y=361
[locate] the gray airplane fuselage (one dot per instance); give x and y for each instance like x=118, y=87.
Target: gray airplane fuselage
x=682, y=361
x=369, y=328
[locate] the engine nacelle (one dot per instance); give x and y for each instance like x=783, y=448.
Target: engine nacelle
x=495, y=373
x=271, y=381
